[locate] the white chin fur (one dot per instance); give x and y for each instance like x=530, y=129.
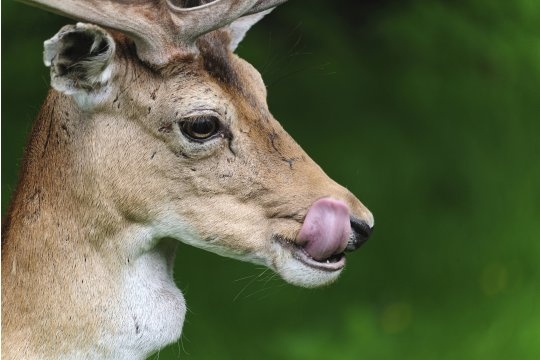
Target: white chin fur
x=297, y=273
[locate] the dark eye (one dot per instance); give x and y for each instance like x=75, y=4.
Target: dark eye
x=200, y=127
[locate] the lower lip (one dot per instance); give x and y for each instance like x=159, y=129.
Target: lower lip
x=300, y=255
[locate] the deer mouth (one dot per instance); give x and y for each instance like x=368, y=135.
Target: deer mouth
x=334, y=262
x=324, y=235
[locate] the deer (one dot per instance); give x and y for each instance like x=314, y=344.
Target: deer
x=155, y=132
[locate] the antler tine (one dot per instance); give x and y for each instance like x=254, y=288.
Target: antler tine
x=159, y=28
x=210, y=16
x=263, y=5
x=199, y=20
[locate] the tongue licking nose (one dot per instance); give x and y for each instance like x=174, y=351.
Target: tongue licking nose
x=326, y=229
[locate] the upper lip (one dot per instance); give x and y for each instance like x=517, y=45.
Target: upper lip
x=301, y=255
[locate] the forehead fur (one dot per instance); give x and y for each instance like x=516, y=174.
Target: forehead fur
x=214, y=62
x=214, y=57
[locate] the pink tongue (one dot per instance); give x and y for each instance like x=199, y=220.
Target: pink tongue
x=326, y=229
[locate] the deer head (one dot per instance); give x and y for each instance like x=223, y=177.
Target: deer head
x=155, y=129
x=177, y=134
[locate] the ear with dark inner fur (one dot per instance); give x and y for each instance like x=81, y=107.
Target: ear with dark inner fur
x=80, y=58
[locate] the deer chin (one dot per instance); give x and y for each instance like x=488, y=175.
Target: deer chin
x=297, y=267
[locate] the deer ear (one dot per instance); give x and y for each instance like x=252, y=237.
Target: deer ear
x=239, y=28
x=80, y=58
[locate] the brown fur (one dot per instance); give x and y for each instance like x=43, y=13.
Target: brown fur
x=89, y=176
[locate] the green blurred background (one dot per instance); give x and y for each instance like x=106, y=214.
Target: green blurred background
x=429, y=112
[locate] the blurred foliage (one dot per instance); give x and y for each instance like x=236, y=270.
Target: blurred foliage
x=428, y=111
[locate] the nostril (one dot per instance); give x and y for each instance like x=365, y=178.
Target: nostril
x=359, y=235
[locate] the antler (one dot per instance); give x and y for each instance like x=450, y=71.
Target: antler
x=160, y=29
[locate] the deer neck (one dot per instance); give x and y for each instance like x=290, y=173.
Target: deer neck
x=61, y=240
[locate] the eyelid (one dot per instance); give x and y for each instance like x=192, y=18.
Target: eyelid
x=201, y=112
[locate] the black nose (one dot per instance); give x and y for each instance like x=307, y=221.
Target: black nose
x=359, y=235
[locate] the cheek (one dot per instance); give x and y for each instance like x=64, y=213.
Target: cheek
x=226, y=217
x=222, y=225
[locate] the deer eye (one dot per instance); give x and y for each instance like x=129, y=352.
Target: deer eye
x=200, y=128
